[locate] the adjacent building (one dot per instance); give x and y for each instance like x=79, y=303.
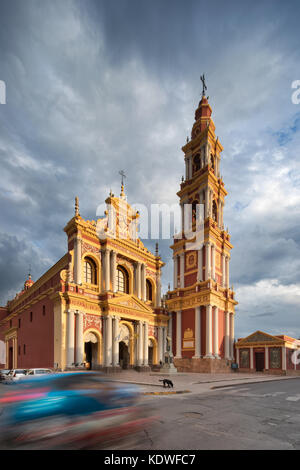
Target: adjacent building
x=262, y=352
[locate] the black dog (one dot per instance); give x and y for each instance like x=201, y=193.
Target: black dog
x=167, y=382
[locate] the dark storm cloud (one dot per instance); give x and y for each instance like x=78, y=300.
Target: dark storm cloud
x=95, y=86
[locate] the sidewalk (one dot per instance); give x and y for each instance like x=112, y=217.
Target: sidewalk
x=189, y=382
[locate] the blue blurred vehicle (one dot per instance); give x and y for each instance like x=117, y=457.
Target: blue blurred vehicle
x=70, y=410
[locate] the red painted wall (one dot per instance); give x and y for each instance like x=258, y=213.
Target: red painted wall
x=203, y=331
x=188, y=321
x=37, y=336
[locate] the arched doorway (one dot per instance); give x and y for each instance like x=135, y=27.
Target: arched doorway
x=123, y=355
x=91, y=350
x=124, y=346
x=152, y=351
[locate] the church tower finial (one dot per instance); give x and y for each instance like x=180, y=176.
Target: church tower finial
x=76, y=206
x=122, y=173
x=204, y=87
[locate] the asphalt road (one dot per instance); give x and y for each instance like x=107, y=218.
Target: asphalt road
x=256, y=416
x=250, y=416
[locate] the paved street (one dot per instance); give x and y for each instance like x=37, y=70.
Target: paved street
x=219, y=412
x=252, y=416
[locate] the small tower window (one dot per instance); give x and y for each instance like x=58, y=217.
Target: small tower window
x=215, y=211
x=212, y=161
x=194, y=211
x=197, y=163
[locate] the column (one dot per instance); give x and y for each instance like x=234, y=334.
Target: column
x=182, y=216
x=209, y=331
x=7, y=365
x=251, y=358
x=160, y=344
x=15, y=353
x=107, y=269
x=178, y=334
x=103, y=359
x=227, y=272
x=170, y=332
x=108, y=341
x=114, y=271
x=186, y=168
x=232, y=335
x=115, y=342
x=158, y=290
x=283, y=358
x=200, y=265
x=77, y=260
x=164, y=342
x=138, y=280
x=175, y=272
x=197, y=332
x=222, y=212
x=238, y=357
x=213, y=255
x=140, y=343
x=216, y=333
x=206, y=208
x=182, y=270
x=143, y=282
x=207, y=261
x=70, y=338
x=190, y=167
x=223, y=271
x=79, y=338
x=146, y=340
x=266, y=358
x=227, y=333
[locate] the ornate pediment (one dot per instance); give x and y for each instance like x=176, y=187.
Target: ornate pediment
x=130, y=302
x=260, y=337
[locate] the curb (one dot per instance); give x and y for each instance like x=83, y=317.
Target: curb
x=252, y=382
x=166, y=393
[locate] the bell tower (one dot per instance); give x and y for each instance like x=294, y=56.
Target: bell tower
x=202, y=302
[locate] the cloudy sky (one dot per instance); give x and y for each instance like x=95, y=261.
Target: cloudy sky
x=93, y=87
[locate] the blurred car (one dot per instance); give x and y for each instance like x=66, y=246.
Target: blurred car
x=80, y=410
x=39, y=372
x=14, y=375
x=3, y=374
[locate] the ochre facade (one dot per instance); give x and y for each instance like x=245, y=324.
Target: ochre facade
x=99, y=307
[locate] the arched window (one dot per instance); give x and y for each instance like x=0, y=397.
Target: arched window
x=212, y=161
x=215, y=211
x=194, y=211
x=197, y=163
x=148, y=290
x=89, y=271
x=122, y=280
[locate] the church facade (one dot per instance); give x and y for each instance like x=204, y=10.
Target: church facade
x=98, y=307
